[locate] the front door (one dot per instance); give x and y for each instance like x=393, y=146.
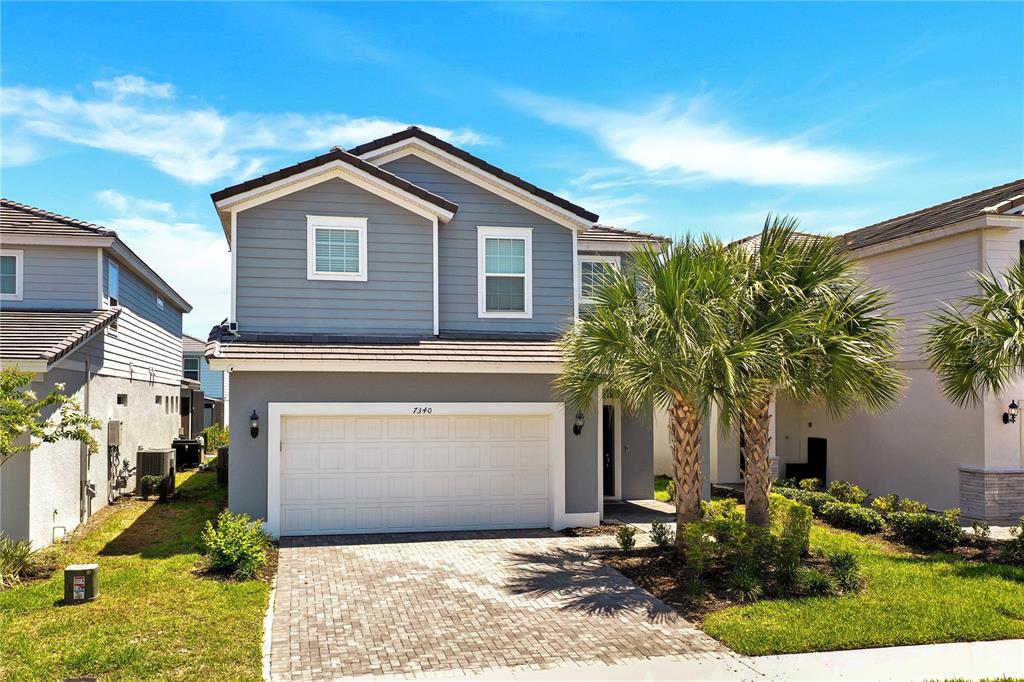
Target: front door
x=608, y=449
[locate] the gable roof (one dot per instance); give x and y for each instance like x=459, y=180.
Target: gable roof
x=414, y=132
x=998, y=200
x=35, y=339
x=608, y=233
x=24, y=224
x=190, y=344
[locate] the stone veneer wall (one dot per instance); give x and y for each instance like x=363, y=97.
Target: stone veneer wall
x=993, y=495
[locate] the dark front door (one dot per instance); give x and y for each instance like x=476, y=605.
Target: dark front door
x=608, y=448
x=817, y=458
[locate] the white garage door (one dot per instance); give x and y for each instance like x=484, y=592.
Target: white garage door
x=374, y=474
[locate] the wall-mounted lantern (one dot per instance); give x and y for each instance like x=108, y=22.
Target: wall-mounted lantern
x=577, y=426
x=254, y=424
x=1010, y=416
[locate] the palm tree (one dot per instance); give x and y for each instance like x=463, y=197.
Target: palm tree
x=660, y=336
x=978, y=345
x=831, y=340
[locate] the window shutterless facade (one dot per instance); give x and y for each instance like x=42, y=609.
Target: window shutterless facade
x=505, y=272
x=336, y=248
x=12, y=275
x=593, y=270
x=190, y=368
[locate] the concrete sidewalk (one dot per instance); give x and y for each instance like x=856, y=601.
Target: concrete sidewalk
x=968, y=660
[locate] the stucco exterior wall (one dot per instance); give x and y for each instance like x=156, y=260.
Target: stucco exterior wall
x=247, y=490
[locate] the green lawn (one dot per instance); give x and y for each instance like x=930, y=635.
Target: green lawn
x=154, y=619
x=661, y=488
x=909, y=599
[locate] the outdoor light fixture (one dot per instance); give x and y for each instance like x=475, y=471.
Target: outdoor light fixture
x=254, y=424
x=577, y=426
x=1010, y=416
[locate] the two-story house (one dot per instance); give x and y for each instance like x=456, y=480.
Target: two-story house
x=211, y=398
x=391, y=347
x=79, y=307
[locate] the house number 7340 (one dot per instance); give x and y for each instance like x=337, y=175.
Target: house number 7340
x=422, y=410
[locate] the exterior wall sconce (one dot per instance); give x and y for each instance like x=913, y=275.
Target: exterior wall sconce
x=577, y=426
x=1010, y=416
x=254, y=424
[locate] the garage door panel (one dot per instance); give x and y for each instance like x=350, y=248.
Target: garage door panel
x=395, y=473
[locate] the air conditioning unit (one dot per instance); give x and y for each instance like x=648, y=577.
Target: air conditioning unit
x=114, y=432
x=153, y=462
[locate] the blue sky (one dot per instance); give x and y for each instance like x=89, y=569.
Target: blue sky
x=662, y=117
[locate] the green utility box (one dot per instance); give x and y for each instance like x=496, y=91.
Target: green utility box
x=81, y=583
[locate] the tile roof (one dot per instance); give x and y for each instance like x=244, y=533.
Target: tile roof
x=608, y=233
x=433, y=140
x=190, y=344
x=992, y=201
x=337, y=154
x=22, y=219
x=48, y=335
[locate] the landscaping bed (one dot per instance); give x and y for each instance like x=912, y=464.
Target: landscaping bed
x=160, y=614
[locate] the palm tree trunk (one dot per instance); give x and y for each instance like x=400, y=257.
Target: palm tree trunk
x=684, y=427
x=757, y=437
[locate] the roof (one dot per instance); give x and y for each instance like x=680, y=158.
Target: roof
x=414, y=132
x=997, y=200
x=190, y=344
x=35, y=339
x=22, y=219
x=607, y=233
x=753, y=241
x=512, y=352
x=337, y=154
x=31, y=223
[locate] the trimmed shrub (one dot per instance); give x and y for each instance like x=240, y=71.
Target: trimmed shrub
x=913, y=506
x=791, y=524
x=925, y=531
x=886, y=504
x=844, y=491
x=236, y=545
x=16, y=559
x=698, y=548
x=661, y=534
x=853, y=517
x=152, y=485
x=810, y=484
x=786, y=483
x=815, y=500
x=1012, y=551
x=625, y=535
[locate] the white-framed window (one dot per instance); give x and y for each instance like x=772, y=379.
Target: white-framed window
x=336, y=248
x=159, y=303
x=12, y=275
x=504, y=272
x=113, y=282
x=593, y=270
x=190, y=368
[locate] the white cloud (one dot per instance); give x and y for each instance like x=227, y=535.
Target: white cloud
x=194, y=260
x=619, y=211
x=124, y=86
x=194, y=144
x=680, y=144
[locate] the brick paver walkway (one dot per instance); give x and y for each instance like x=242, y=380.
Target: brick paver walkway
x=358, y=605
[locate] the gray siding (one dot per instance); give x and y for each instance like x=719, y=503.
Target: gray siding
x=274, y=294
x=211, y=381
x=140, y=298
x=247, y=490
x=552, y=253
x=57, y=278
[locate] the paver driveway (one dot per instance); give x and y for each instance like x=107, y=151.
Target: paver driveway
x=358, y=605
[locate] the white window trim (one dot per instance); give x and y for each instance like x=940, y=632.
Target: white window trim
x=111, y=268
x=19, y=275
x=614, y=260
x=335, y=223
x=484, y=233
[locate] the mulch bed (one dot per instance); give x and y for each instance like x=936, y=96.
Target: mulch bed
x=604, y=529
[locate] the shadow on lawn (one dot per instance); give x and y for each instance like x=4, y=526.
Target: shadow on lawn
x=168, y=529
x=583, y=584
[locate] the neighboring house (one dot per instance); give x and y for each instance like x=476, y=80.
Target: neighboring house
x=925, y=448
x=208, y=388
x=77, y=306
x=391, y=345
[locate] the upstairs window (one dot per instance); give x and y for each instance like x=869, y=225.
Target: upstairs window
x=190, y=368
x=336, y=248
x=504, y=266
x=11, y=275
x=113, y=282
x=594, y=270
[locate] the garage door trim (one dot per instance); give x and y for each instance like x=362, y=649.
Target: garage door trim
x=556, y=451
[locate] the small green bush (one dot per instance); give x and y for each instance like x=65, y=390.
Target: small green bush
x=981, y=530
x=815, y=500
x=886, y=504
x=16, y=559
x=152, y=485
x=625, y=535
x=810, y=484
x=924, y=530
x=844, y=491
x=215, y=436
x=1012, y=551
x=786, y=483
x=846, y=570
x=853, y=517
x=661, y=534
x=791, y=524
x=670, y=490
x=698, y=548
x=745, y=584
x=814, y=583
x=912, y=506
x=236, y=545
